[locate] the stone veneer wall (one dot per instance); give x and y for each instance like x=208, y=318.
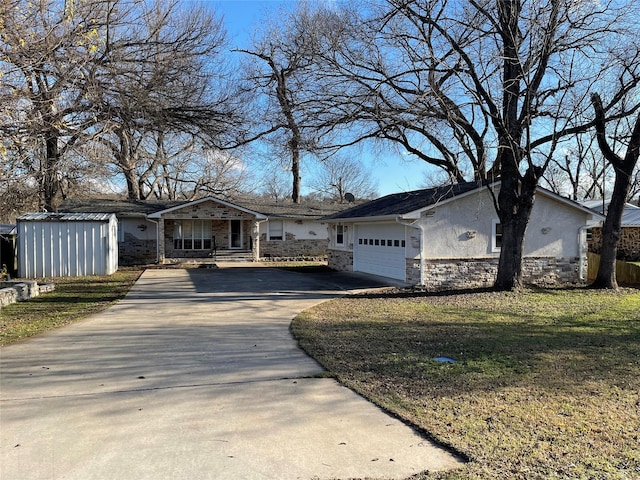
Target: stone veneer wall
x=292, y=248
x=134, y=251
x=628, y=248
x=456, y=274
x=340, y=260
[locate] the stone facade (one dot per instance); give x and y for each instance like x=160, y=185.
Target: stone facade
x=628, y=248
x=219, y=233
x=457, y=274
x=134, y=251
x=292, y=247
x=467, y=273
x=341, y=260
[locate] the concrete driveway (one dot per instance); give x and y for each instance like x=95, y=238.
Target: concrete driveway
x=195, y=375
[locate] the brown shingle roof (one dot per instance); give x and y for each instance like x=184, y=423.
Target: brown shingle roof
x=140, y=208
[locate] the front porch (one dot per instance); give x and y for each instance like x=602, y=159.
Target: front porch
x=224, y=255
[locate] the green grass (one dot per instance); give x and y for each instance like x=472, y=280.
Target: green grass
x=545, y=385
x=72, y=300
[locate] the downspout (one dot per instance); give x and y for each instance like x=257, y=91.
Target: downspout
x=420, y=227
x=157, y=239
x=582, y=252
x=257, y=239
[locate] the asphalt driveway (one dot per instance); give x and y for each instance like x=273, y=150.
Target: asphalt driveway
x=195, y=375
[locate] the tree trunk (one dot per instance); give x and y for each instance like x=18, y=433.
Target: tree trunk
x=606, y=277
x=49, y=172
x=516, y=202
x=295, y=172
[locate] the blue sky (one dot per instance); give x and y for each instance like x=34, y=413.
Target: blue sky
x=392, y=171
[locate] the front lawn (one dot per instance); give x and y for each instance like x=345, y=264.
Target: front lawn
x=546, y=383
x=74, y=298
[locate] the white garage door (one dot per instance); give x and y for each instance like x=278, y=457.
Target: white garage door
x=380, y=250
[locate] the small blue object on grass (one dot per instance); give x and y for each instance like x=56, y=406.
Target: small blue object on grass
x=444, y=360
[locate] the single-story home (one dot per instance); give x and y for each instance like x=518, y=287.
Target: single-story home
x=450, y=237
x=213, y=229
x=629, y=244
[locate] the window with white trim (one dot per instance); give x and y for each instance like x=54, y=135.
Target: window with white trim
x=276, y=230
x=341, y=234
x=496, y=235
x=192, y=235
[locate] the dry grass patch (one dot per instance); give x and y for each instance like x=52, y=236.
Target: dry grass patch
x=74, y=298
x=545, y=385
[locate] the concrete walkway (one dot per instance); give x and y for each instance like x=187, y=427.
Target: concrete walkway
x=195, y=375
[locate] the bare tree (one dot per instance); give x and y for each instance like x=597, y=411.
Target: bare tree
x=114, y=71
x=579, y=171
x=162, y=75
x=47, y=53
x=484, y=88
x=338, y=175
x=624, y=167
x=279, y=73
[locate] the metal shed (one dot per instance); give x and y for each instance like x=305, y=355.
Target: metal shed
x=67, y=244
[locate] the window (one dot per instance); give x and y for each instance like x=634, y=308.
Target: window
x=496, y=237
x=341, y=232
x=276, y=230
x=192, y=235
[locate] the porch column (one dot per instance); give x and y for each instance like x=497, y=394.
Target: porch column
x=160, y=240
x=255, y=233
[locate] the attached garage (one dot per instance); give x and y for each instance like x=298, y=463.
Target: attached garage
x=379, y=249
x=67, y=244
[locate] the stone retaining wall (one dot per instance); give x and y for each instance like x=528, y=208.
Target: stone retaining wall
x=21, y=290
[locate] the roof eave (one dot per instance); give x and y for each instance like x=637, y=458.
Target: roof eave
x=380, y=218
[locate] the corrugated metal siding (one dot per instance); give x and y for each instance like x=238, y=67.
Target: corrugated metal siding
x=66, y=248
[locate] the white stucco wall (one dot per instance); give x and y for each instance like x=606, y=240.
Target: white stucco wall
x=300, y=229
x=464, y=228
x=139, y=228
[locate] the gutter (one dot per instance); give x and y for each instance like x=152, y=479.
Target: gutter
x=258, y=222
x=421, y=228
x=157, y=239
x=582, y=251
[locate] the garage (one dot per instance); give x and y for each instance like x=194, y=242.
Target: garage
x=379, y=249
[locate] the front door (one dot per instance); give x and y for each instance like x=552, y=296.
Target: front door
x=235, y=233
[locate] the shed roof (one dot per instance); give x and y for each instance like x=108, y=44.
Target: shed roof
x=630, y=214
x=65, y=217
x=631, y=217
x=7, y=229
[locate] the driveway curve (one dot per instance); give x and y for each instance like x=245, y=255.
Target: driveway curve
x=195, y=375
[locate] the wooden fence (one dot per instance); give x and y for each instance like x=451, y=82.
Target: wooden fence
x=626, y=273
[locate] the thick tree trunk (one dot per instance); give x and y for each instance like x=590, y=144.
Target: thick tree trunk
x=606, y=277
x=516, y=202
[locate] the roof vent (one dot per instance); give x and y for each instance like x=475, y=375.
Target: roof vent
x=349, y=197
